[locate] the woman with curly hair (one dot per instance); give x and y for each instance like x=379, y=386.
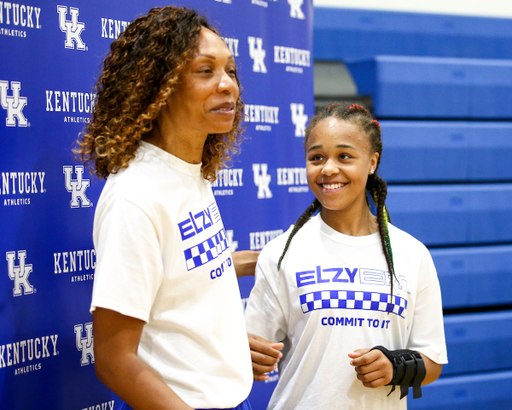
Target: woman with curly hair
x=168, y=324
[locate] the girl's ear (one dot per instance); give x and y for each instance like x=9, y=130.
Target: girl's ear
x=374, y=161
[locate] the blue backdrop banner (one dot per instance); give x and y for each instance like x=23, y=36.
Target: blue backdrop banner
x=50, y=56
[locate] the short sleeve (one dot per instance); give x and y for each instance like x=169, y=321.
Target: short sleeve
x=264, y=316
x=427, y=332
x=129, y=267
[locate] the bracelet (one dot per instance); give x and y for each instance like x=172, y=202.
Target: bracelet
x=408, y=370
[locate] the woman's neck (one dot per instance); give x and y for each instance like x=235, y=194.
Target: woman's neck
x=184, y=144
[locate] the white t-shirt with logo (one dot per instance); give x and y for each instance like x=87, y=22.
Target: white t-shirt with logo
x=163, y=257
x=330, y=298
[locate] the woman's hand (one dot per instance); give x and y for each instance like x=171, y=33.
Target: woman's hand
x=264, y=355
x=373, y=368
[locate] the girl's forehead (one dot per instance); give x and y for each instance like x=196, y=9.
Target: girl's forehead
x=333, y=130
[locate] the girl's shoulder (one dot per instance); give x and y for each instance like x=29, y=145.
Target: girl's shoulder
x=403, y=241
x=273, y=250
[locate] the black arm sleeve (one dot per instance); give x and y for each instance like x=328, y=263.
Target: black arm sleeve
x=408, y=370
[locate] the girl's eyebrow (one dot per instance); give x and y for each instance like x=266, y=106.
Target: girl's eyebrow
x=337, y=146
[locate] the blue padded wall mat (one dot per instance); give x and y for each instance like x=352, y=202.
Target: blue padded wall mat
x=351, y=34
x=453, y=214
x=486, y=391
x=446, y=151
x=428, y=87
x=476, y=342
x=474, y=276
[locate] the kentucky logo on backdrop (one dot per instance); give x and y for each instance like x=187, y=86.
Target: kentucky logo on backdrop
x=261, y=116
x=111, y=28
x=19, y=15
x=77, y=187
x=226, y=180
x=294, y=178
x=19, y=273
x=257, y=53
x=295, y=59
x=73, y=28
x=233, y=245
x=258, y=240
x=299, y=119
x=262, y=180
x=85, y=344
x=295, y=10
x=232, y=44
x=13, y=103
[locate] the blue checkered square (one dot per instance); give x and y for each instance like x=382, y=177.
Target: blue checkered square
x=349, y=299
x=206, y=251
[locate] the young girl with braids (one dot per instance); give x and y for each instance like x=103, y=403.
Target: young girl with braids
x=353, y=302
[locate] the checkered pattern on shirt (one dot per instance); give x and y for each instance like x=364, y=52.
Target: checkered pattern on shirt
x=349, y=299
x=206, y=251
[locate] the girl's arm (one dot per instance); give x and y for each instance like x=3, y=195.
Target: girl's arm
x=374, y=369
x=245, y=262
x=116, y=340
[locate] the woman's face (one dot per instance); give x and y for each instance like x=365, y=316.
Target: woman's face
x=338, y=161
x=205, y=98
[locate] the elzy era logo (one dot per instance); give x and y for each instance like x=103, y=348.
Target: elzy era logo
x=299, y=119
x=85, y=344
x=262, y=180
x=13, y=103
x=257, y=53
x=19, y=273
x=73, y=28
x=77, y=187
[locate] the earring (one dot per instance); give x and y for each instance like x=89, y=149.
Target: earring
x=371, y=172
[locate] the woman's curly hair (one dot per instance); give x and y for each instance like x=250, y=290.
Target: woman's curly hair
x=138, y=75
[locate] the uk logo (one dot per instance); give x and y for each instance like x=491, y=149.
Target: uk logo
x=233, y=245
x=257, y=53
x=77, y=187
x=20, y=273
x=262, y=180
x=73, y=28
x=85, y=344
x=14, y=104
x=299, y=119
x=295, y=10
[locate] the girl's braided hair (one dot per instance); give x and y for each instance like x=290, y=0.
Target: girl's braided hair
x=375, y=185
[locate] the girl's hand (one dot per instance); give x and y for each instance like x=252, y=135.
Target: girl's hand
x=372, y=367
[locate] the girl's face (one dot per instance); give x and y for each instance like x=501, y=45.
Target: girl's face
x=338, y=161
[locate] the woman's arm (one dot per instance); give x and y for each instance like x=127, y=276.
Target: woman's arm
x=264, y=355
x=116, y=340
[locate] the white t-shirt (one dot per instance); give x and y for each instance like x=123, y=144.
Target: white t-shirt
x=163, y=257
x=329, y=299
